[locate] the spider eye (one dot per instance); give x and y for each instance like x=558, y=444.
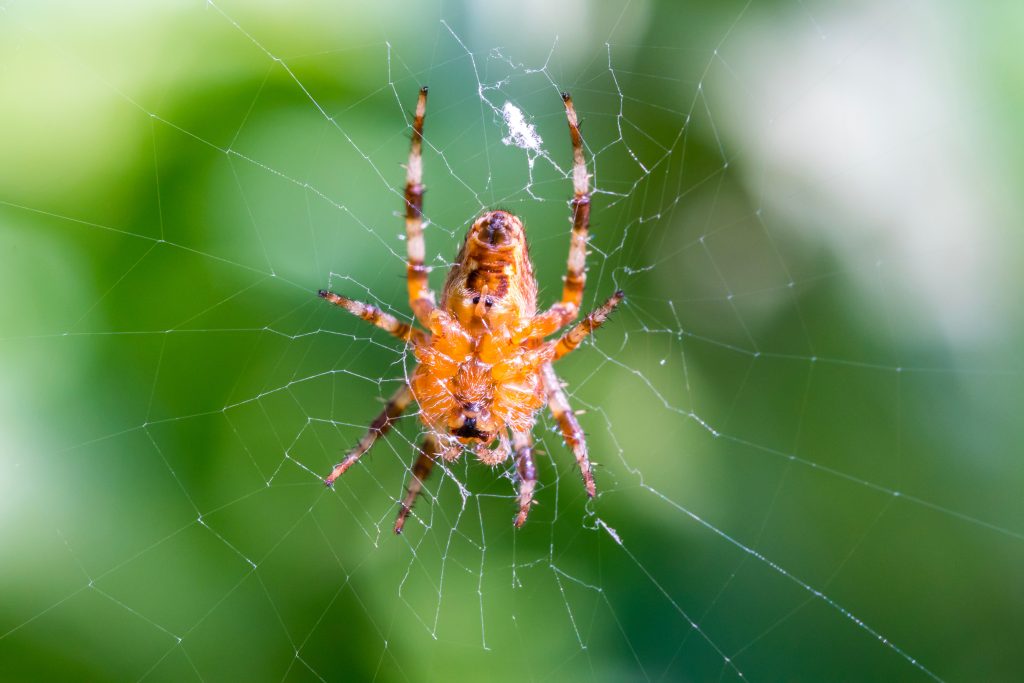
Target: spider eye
x=488, y=303
x=476, y=299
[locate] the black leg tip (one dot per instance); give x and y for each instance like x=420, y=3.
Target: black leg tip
x=424, y=89
x=566, y=97
x=322, y=293
x=619, y=294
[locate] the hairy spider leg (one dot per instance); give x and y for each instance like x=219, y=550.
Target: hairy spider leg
x=421, y=298
x=396, y=405
x=575, y=274
x=421, y=469
x=522, y=445
x=572, y=433
x=542, y=325
x=569, y=341
x=375, y=317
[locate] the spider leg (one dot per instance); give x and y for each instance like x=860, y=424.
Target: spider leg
x=569, y=341
x=420, y=471
x=522, y=445
x=542, y=325
x=396, y=405
x=575, y=275
x=375, y=316
x=570, y=426
x=421, y=298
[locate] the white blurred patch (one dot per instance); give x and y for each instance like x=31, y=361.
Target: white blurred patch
x=15, y=459
x=520, y=132
x=531, y=30
x=861, y=128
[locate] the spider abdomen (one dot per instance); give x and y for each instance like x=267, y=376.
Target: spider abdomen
x=491, y=284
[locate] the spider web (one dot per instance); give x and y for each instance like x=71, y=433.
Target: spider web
x=801, y=419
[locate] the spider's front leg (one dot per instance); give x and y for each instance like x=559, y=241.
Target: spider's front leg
x=522, y=445
x=396, y=405
x=570, y=426
x=421, y=469
x=421, y=298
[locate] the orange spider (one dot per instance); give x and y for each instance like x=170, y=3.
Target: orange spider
x=485, y=367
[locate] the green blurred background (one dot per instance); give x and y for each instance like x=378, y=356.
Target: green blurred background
x=804, y=419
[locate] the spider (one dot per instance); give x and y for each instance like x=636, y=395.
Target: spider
x=485, y=366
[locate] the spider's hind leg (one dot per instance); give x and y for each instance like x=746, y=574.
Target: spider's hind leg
x=575, y=274
x=421, y=297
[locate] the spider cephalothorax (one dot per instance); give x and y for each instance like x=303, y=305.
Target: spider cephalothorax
x=484, y=369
